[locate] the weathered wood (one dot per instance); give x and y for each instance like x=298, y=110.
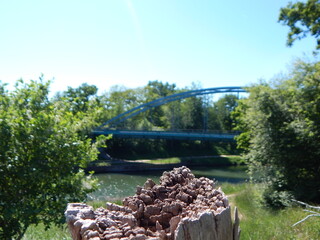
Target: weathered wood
x=206, y=227
x=181, y=207
x=314, y=214
x=236, y=225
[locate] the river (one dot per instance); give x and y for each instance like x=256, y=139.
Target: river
x=116, y=186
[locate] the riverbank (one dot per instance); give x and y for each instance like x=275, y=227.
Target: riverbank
x=121, y=165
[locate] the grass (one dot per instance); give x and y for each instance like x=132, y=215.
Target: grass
x=259, y=222
x=54, y=233
x=171, y=160
x=256, y=221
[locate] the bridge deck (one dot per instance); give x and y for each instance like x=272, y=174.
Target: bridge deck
x=167, y=135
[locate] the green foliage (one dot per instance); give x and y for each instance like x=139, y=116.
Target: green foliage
x=303, y=19
x=78, y=98
x=258, y=222
x=281, y=134
x=41, y=151
x=191, y=115
x=160, y=116
x=221, y=112
x=83, y=103
x=121, y=99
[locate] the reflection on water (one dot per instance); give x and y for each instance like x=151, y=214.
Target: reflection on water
x=116, y=186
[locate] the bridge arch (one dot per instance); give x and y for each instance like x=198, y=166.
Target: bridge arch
x=164, y=100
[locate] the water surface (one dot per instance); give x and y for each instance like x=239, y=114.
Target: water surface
x=116, y=186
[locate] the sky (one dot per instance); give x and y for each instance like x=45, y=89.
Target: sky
x=212, y=43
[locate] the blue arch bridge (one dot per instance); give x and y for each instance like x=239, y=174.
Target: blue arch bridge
x=109, y=127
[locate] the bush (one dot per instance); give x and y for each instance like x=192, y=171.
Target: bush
x=41, y=152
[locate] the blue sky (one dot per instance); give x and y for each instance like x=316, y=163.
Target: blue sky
x=130, y=42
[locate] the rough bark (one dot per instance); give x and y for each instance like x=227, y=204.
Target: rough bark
x=181, y=207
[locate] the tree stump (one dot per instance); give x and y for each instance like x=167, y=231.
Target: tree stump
x=181, y=207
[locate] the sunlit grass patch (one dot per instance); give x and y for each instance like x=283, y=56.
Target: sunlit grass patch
x=173, y=160
x=259, y=222
x=53, y=233
x=232, y=188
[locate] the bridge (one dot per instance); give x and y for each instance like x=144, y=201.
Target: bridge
x=169, y=135
x=109, y=127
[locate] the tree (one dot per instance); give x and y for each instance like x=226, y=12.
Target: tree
x=281, y=134
x=83, y=103
x=221, y=112
x=41, y=153
x=79, y=97
x=158, y=89
x=192, y=113
x=121, y=99
x=154, y=90
x=303, y=18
